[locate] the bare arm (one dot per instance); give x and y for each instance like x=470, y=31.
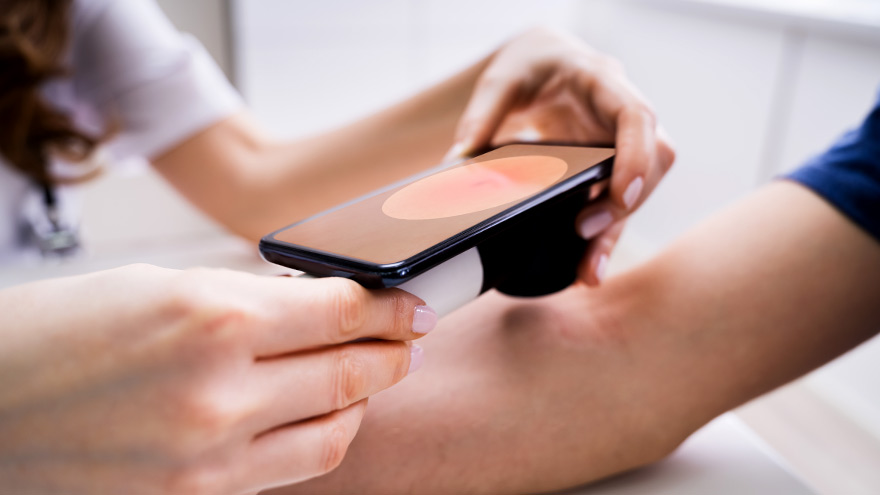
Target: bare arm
x=524, y=396
x=253, y=184
x=548, y=83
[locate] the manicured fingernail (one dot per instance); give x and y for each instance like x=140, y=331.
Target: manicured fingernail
x=595, y=223
x=633, y=192
x=601, y=266
x=457, y=151
x=424, y=319
x=416, y=358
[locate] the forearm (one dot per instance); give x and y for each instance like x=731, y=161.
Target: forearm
x=253, y=184
x=520, y=396
x=762, y=293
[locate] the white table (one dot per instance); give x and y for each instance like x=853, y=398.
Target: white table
x=725, y=457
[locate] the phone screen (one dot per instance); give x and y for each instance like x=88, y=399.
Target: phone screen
x=404, y=221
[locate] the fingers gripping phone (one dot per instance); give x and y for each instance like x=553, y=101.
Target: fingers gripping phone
x=504, y=219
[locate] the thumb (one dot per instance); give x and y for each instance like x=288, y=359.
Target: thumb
x=490, y=103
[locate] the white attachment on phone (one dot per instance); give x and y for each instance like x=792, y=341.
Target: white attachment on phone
x=449, y=285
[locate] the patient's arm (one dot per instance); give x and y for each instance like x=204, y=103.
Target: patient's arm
x=532, y=395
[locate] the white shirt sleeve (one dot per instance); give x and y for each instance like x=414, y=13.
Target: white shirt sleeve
x=153, y=84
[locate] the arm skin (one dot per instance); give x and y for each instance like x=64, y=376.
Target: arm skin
x=546, y=83
x=274, y=183
x=523, y=396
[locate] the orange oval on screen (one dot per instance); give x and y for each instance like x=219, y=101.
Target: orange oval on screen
x=475, y=187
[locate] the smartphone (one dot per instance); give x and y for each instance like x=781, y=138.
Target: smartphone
x=504, y=219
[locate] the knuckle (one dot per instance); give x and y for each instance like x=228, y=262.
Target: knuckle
x=667, y=154
x=335, y=444
x=140, y=269
x=488, y=84
x=351, y=378
x=647, y=112
x=205, y=314
x=402, y=311
x=185, y=297
x=606, y=243
x=197, y=479
x=611, y=64
x=207, y=420
x=402, y=361
x=224, y=327
x=540, y=30
x=348, y=307
x=493, y=80
x=543, y=32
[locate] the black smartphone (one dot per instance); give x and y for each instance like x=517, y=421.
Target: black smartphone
x=504, y=219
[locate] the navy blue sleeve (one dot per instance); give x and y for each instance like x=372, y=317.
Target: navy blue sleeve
x=848, y=174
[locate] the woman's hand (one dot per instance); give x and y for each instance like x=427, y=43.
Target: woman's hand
x=547, y=86
x=147, y=380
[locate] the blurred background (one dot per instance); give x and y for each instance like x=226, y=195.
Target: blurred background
x=746, y=88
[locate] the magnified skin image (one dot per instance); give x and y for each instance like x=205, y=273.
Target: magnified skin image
x=475, y=187
x=431, y=209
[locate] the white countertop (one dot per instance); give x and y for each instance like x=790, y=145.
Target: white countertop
x=724, y=457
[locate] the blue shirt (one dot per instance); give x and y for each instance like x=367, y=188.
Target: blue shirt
x=848, y=174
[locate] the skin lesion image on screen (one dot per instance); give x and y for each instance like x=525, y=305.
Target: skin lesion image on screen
x=395, y=225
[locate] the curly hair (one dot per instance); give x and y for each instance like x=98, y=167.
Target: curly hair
x=33, y=38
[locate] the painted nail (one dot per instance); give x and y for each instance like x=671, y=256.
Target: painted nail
x=424, y=319
x=457, y=151
x=416, y=358
x=595, y=223
x=633, y=192
x=601, y=266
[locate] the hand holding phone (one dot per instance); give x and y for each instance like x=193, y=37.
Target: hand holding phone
x=503, y=220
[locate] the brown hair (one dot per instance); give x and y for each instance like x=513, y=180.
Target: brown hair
x=33, y=37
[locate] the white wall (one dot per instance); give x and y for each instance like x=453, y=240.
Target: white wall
x=207, y=20
x=132, y=207
x=309, y=66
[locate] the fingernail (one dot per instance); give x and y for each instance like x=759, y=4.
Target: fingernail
x=457, y=151
x=424, y=319
x=416, y=358
x=595, y=223
x=633, y=192
x=601, y=266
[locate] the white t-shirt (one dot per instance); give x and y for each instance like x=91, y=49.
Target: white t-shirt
x=132, y=68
